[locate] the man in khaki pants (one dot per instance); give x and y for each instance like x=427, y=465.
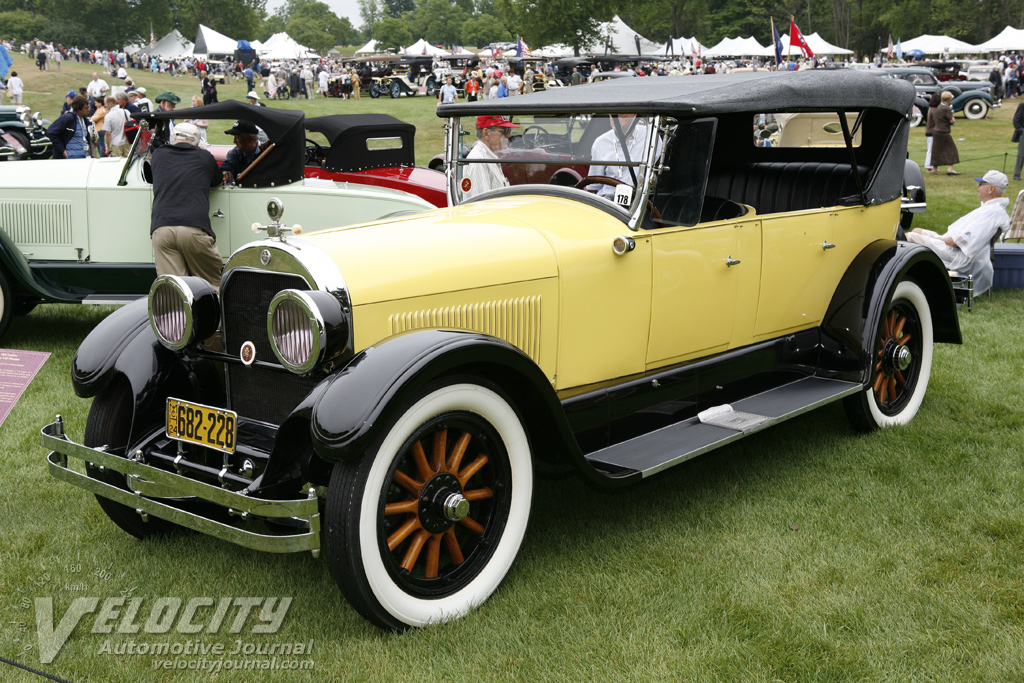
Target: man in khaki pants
x=183, y=241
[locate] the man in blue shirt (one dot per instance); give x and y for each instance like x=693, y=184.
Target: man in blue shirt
x=69, y=133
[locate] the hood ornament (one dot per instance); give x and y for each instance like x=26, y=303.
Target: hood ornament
x=275, y=209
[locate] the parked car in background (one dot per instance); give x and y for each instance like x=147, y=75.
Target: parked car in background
x=973, y=98
x=77, y=230
x=387, y=392
x=946, y=71
x=23, y=133
x=367, y=149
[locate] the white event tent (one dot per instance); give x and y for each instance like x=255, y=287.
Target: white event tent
x=422, y=47
x=369, y=49
x=935, y=45
x=683, y=47
x=819, y=46
x=283, y=46
x=1009, y=39
x=737, y=47
x=621, y=39
x=209, y=42
x=172, y=45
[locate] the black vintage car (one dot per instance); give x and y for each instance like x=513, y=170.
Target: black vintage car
x=23, y=133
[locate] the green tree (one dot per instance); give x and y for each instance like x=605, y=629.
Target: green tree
x=271, y=25
x=573, y=22
x=240, y=19
x=396, y=8
x=314, y=25
x=391, y=33
x=439, y=21
x=22, y=26
x=370, y=12
x=659, y=19
x=484, y=29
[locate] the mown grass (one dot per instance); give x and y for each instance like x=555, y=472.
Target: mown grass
x=806, y=553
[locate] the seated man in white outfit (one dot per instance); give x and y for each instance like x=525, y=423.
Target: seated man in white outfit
x=492, y=136
x=965, y=246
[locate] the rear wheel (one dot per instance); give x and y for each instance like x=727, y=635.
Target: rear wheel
x=431, y=87
x=427, y=525
x=976, y=109
x=374, y=91
x=902, y=363
x=109, y=425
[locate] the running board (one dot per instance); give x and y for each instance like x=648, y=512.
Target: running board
x=668, y=446
x=112, y=299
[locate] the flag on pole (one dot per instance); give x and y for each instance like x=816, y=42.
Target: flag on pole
x=495, y=52
x=521, y=49
x=889, y=53
x=797, y=38
x=151, y=41
x=899, y=48
x=778, y=44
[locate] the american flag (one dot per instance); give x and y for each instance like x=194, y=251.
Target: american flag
x=694, y=51
x=891, y=50
x=521, y=49
x=151, y=41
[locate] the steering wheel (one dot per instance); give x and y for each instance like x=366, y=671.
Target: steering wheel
x=315, y=154
x=605, y=180
x=540, y=137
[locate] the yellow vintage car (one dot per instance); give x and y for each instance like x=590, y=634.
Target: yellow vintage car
x=387, y=392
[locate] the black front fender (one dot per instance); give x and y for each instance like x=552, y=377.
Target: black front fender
x=124, y=344
x=850, y=325
x=383, y=377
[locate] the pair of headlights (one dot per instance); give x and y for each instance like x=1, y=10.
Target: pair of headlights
x=304, y=328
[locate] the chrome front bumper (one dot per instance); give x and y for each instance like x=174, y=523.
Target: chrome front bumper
x=145, y=481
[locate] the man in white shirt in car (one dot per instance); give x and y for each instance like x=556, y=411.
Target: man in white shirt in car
x=965, y=246
x=608, y=148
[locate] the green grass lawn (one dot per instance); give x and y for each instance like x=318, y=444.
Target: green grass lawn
x=805, y=553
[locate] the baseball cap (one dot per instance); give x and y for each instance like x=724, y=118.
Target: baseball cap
x=71, y=93
x=491, y=121
x=995, y=178
x=141, y=91
x=242, y=128
x=252, y=95
x=186, y=132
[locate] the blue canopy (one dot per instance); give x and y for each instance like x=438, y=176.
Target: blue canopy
x=244, y=45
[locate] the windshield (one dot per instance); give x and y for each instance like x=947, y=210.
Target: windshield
x=611, y=151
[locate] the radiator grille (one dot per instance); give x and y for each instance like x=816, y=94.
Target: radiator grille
x=37, y=222
x=517, y=321
x=258, y=393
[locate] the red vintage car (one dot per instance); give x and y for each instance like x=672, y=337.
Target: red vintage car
x=368, y=149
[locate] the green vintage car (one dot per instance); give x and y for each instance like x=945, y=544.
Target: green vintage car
x=22, y=133
x=77, y=230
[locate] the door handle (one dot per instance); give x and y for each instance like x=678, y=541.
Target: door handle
x=730, y=261
x=218, y=214
x=826, y=246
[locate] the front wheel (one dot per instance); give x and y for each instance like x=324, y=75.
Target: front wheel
x=428, y=523
x=902, y=363
x=110, y=424
x=396, y=89
x=976, y=109
x=374, y=92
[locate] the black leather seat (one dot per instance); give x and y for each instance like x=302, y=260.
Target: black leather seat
x=777, y=187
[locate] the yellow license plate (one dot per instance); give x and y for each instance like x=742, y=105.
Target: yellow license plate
x=206, y=426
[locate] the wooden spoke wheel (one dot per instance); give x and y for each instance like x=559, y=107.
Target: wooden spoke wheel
x=427, y=526
x=901, y=363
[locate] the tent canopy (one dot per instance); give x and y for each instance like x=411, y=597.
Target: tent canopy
x=172, y=45
x=683, y=47
x=819, y=46
x=283, y=46
x=935, y=45
x=621, y=39
x=737, y=47
x=368, y=49
x=209, y=42
x=422, y=47
x=1008, y=39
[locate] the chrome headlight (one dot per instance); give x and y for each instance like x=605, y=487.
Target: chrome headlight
x=182, y=310
x=306, y=328
x=24, y=114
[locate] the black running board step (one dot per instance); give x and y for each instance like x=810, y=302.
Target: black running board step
x=668, y=446
x=112, y=299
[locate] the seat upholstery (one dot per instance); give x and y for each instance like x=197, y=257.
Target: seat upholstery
x=776, y=187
